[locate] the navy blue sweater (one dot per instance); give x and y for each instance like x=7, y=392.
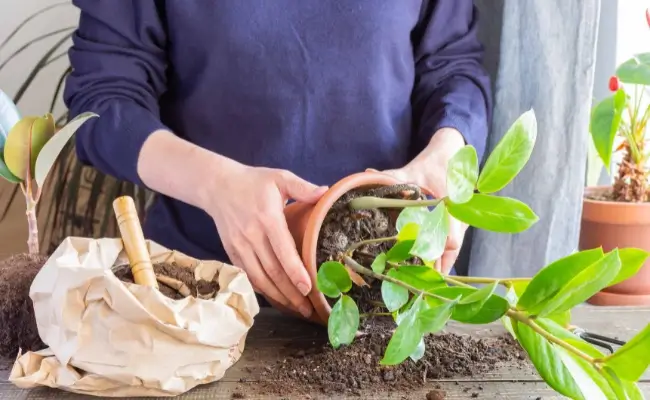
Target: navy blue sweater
x=323, y=88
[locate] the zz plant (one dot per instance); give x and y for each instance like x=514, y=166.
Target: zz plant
x=29, y=147
x=536, y=311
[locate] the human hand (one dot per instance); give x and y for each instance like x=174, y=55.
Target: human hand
x=429, y=171
x=248, y=213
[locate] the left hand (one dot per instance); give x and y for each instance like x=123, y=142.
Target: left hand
x=429, y=171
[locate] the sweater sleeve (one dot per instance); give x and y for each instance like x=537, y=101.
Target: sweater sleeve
x=452, y=89
x=118, y=64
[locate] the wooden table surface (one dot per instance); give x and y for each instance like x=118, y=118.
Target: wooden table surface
x=272, y=332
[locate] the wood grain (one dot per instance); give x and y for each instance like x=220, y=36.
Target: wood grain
x=273, y=333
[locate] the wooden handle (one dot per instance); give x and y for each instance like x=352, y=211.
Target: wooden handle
x=134, y=243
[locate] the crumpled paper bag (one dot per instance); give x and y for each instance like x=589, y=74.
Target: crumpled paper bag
x=110, y=338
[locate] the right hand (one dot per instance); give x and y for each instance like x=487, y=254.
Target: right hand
x=249, y=214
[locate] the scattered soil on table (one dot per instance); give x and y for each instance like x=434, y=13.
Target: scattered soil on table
x=436, y=395
x=202, y=288
x=17, y=320
x=351, y=369
x=343, y=227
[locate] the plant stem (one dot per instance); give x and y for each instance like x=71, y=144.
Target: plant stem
x=458, y=283
x=32, y=223
x=471, y=279
x=523, y=318
x=369, y=202
x=379, y=314
x=360, y=269
x=355, y=246
x=512, y=313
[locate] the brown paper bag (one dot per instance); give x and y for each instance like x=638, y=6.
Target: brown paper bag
x=110, y=338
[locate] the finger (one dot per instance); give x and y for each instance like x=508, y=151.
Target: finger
x=436, y=265
x=286, y=253
x=299, y=189
x=448, y=260
x=258, y=278
x=277, y=274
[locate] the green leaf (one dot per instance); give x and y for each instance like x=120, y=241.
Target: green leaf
x=492, y=213
x=491, y=310
x=631, y=262
x=636, y=70
x=51, y=150
x=409, y=215
x=408, y=232
x=462, y=173
x=434, y=319
x=630, y=361
x=510, y=155
x=604, y=124
x=343, y=322
x=431, y=240
x=624, y=390
x=550, y=279
x=333, y=279
x=400, y=251
x=5, y=173
x=584, y=285
x=419, y=276
x=547, y=362
x=379, y=263
x=418, y=353
x=406, y=337
x=394, y=296
x=481, y=295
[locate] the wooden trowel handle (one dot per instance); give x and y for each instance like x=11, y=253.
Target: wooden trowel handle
x=134, y=243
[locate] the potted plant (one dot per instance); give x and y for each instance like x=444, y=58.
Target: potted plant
x=370, y=245
x=29, y=147
x=618, y=215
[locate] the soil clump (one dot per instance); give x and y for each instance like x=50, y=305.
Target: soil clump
x=17, y=321
x=175, y=281
x=318, y=368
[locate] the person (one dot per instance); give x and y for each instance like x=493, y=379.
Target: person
x=229, y=109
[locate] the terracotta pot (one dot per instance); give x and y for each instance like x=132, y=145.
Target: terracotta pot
x=617, y=225
x=305, y=222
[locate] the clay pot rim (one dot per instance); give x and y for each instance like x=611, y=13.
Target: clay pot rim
x=607, y=203
x=315, y=222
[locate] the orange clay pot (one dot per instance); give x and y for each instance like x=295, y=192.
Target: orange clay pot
x=305, y=220
x=617, y=225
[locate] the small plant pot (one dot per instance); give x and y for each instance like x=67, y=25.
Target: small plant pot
x=305, y=221
x=610, y=224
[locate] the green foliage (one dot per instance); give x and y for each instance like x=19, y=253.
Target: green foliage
x=509, y=156
x=635, y=70
x=605, y=123
x=536, y=311
x=462, y=174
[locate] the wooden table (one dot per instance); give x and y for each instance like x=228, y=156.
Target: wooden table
x=263, y=348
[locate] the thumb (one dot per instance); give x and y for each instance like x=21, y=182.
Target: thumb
x=294, y=187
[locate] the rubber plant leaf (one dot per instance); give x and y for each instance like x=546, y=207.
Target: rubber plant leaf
x=25, y=141
x=54, y=146
x=510, y=155
x=9, y=116
x=5, y=173
x=494, y=213
x=462, y=173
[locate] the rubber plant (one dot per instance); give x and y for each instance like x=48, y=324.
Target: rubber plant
x=536, y=311
x=29, y=147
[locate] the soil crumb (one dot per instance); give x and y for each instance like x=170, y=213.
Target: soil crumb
x=343, y=227
x=353, y=368
x=436, y=395
x=17, y=322
x=179, y=276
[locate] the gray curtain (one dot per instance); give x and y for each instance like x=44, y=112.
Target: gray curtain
x=541, y=54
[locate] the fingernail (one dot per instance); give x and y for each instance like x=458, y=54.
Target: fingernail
x=303, y=289
x=306, y=311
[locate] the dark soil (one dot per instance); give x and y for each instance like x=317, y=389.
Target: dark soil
x=351, y=369
x=343, y=227
x=201, y=288
x=17, y=321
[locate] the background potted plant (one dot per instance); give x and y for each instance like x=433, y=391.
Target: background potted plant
x=619, y=215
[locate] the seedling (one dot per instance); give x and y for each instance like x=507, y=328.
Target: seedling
x=29, y=147
x=625, y=116
x=536, y=311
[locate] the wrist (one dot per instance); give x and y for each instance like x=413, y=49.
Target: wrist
x=219, y=172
